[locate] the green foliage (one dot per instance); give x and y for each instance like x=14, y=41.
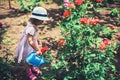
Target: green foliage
x=107, y=32
x=28, y=5
x=5, y=68
x=115, y=12
x=98, y=4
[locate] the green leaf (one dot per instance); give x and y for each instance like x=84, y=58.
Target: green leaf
x=113, y=67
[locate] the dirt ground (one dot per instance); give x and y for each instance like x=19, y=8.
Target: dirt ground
x=49, y=32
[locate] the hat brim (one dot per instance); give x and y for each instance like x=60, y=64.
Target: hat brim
x=39, y=18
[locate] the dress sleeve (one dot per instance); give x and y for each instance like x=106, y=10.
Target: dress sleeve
x=30, y=30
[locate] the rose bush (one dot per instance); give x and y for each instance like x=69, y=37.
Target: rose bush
x=88, y=53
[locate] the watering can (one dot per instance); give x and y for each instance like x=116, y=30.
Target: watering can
x=35, y=60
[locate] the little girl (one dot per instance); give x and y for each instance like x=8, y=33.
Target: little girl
x=28, y=41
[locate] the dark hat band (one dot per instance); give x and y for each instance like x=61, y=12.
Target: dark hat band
x=42, y=15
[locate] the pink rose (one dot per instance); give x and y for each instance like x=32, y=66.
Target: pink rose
x=66, y=4
x=66, y=1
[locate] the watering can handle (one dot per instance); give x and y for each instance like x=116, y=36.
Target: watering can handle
x=39, y=52
x=39, y=55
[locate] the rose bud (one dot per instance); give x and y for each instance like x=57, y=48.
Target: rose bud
x=61, y=42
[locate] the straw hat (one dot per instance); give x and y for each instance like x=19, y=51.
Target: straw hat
x=39, y=13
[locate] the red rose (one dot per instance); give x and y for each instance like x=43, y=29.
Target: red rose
x=106, y=42
x=61, y=42
x=98, y=1
x=84, y=21
x=94, y=21
x=78, y=2
x=1, y=24
x=102, y=45
x=66, y=13
x=44, y=49
x=112, y=28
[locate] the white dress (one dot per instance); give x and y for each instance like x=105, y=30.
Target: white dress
x=24, y=48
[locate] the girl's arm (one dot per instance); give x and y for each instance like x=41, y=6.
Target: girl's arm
x=32, y=43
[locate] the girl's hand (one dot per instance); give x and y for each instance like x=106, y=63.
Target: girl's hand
x=39, y=52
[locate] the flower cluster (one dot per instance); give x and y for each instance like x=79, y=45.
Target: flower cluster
x=91, y=21
x=67, y=3
x=71, y=5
